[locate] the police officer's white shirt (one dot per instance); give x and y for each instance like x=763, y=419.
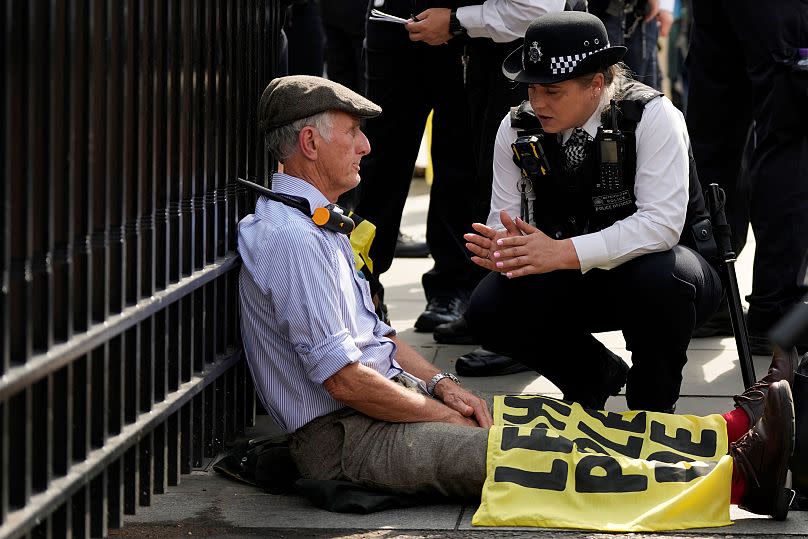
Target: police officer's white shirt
x=504, y=20
x=660, y=186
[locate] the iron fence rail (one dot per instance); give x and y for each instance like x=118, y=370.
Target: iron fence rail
x=125, y=126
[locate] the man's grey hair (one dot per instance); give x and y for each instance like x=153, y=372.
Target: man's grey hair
x=281, y=142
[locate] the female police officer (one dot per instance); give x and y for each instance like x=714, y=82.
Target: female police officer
x=600, y=165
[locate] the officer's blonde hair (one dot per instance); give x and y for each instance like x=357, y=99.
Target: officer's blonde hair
x=614, y=76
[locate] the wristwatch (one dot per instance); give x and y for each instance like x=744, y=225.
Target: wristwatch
x=455, y=28
x=430, y=387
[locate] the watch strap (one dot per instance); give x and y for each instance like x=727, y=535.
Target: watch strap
x=430, y=387
x=455, y=28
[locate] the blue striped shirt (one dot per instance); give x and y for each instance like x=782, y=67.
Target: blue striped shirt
x=305, y=311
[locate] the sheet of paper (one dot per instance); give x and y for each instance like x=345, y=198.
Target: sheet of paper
x=376, y=15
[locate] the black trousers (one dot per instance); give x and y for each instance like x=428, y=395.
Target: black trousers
x=546, y=321
x=344, y=25
x=740, y=73
x=408, y=80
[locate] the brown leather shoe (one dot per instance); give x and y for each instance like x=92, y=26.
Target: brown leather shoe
x=782, y=368
x=762, y=455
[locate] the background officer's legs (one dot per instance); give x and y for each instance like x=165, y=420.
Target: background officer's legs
x=740, y=64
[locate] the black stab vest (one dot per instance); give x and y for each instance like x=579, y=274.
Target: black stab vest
x=564, y=204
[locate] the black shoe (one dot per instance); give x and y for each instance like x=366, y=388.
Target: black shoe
x=456, y=332
x=615, y=372
x=762, y=455
x=760, y=345
x=440, y=310
x=481, y=362
x=718, y=325
x=407, y=247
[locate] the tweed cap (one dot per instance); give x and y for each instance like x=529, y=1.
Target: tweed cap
x=291, y=98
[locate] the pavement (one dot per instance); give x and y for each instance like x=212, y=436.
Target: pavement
x=210, y=505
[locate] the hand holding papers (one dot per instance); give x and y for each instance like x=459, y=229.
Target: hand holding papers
x=376, y=15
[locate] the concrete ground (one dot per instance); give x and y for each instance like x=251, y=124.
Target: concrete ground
x=208, y=504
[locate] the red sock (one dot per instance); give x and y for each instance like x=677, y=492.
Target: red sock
x=737, y=424
x=738, y=486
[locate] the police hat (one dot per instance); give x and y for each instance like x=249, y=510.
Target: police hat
x=561, y=46
x=291, y=98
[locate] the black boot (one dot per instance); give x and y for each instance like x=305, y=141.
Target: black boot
x=456, y=332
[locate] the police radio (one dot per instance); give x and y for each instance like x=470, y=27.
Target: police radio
x=529, y=156
x=610, y=156
x=610, y=193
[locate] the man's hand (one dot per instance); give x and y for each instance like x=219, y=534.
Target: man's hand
x=483, y=244
x=663, y=16
x=665, y=20
x=533, y=253
x=464, y=402
x=432, y=26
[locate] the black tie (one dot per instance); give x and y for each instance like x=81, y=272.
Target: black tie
x=575, y=148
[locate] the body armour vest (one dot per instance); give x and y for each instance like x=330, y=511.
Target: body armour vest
x=572, y=203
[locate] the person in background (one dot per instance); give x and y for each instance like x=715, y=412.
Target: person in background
x=444, y=59
x=747, y=106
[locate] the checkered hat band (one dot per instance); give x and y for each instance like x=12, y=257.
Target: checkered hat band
x=565, y=64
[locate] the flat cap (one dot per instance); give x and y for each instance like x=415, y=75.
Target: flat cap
x=291, y=98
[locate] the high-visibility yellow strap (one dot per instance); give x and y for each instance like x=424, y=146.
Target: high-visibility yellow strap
x=361, y=240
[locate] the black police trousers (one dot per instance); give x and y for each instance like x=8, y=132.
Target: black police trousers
x=408, y=79
x=740, y=68
x=546, y=322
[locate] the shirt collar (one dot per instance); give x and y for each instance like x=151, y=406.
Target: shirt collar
x=290, y=185
x=590, y=126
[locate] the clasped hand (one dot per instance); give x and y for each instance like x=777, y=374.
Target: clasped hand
x=521, y=249
x=473, y=410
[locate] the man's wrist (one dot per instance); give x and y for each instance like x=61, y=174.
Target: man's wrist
x=430, y=387
x=455, y=28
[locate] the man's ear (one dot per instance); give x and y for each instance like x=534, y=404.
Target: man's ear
x=307, y=142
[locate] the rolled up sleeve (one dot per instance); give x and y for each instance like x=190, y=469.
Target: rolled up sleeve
x=306, y=305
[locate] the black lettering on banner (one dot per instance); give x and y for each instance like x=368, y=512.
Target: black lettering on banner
x=536, y=440
x=535, y=408
x=585, y=445
x=613, y=481
x=616, y=421
x=631, y=449
x=555, y=479
x=677, y=474
x=683, y=441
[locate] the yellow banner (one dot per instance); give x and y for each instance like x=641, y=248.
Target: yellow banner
x=555, y=464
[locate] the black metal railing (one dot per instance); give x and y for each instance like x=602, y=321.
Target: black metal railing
x=126, y=124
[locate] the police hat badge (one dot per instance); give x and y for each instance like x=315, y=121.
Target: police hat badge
x=534, y=53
